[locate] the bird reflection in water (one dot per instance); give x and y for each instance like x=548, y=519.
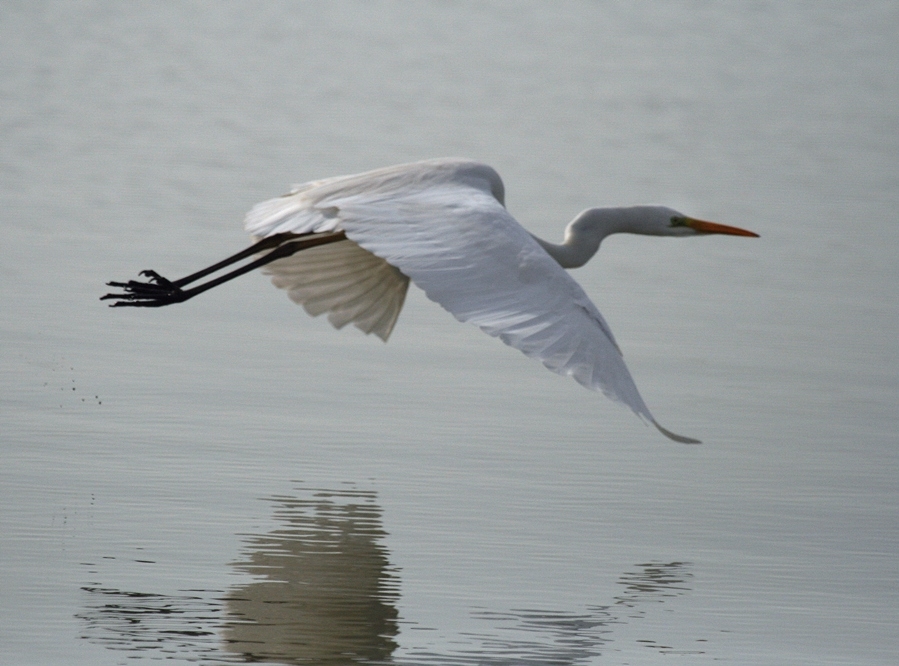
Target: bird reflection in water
x=324, y=592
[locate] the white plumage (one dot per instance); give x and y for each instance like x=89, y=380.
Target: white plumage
x=351, y=284
x=443, y=224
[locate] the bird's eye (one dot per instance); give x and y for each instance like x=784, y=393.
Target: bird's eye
x=678, y=221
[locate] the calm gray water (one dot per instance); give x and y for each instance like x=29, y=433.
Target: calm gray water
x=230, y=480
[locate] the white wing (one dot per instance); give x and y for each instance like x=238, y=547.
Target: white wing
x=442, y=224
x=349, y=283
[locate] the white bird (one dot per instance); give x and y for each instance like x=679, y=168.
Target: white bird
x=443, y=224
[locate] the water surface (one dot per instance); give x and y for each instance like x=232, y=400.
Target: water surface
x=230, y=480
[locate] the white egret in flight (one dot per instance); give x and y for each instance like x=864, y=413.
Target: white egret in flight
x=443, y=224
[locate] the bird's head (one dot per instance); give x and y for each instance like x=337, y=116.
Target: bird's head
x=662, y=221
x=586, y=231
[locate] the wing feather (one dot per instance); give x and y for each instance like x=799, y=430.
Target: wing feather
x=442, y=224
x=351, y=284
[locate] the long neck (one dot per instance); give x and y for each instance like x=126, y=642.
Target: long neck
x=584, y=234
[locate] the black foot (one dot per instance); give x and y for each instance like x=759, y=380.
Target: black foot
x=158, y=291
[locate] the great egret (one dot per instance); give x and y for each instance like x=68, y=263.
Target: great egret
x=443, y=224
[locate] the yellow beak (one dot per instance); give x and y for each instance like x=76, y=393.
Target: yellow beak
x=715, y=228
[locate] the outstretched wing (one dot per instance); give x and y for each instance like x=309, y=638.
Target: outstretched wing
x=441, y=224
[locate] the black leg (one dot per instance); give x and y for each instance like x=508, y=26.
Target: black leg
x=159, y=291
